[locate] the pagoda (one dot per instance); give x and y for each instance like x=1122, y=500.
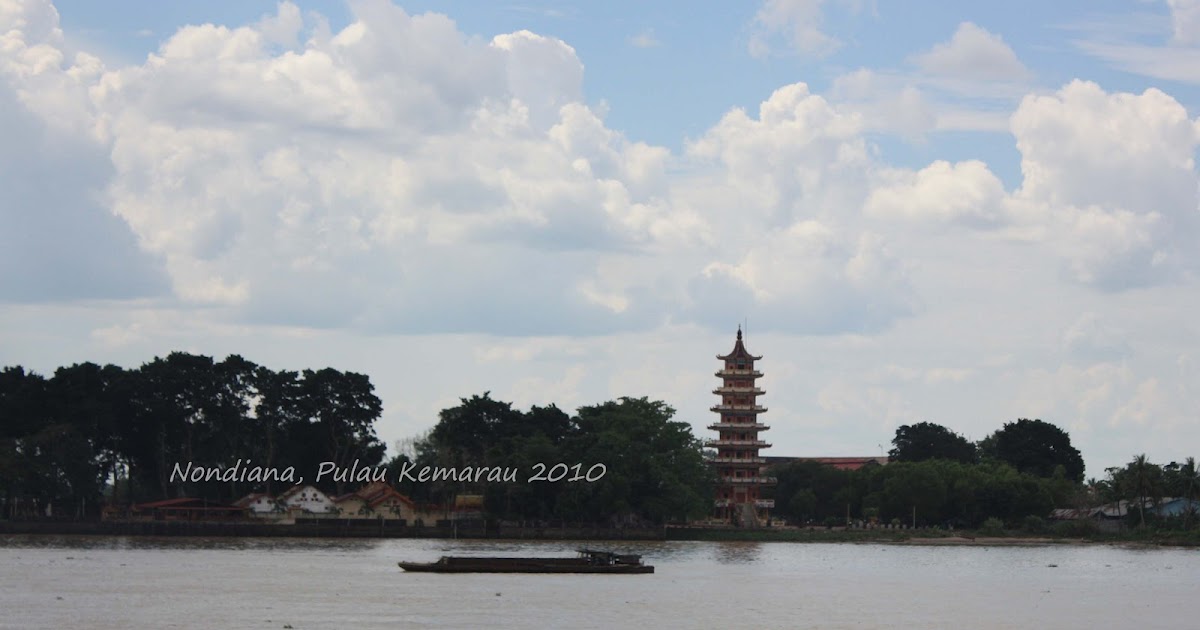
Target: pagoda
x=740, y=470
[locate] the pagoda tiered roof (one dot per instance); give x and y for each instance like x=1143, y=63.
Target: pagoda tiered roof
x=739, y=350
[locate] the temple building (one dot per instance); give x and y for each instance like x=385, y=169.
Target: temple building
x=740, y=470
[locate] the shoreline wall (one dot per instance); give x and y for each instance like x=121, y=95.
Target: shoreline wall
x=324, y=528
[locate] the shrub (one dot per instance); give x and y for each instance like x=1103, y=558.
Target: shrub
x=992, y=527
x=1034, y=524
x=1076, y=529
x=834, y=521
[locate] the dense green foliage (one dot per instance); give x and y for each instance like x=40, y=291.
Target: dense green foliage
x=939, y=492
x=90, y=434
x=1143, y=485
x=940, y=478
x=65, y=438
x=925, y=440
x=1035, y=447
x=654, y=469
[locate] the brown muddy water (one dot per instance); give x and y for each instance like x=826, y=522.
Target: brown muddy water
x=102, y=583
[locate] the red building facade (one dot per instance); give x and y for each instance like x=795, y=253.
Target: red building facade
x=740, y=469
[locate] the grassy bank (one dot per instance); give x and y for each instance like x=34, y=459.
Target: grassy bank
x=933, y=536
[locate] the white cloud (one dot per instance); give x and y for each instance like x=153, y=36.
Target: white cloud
x=970, y=83
x=1177, y=59
x=1169, y=63
x=973, y=54
x=1090, y=338
x=807, y=279
x=645, y=39
x=1185, y=21
x=796, y=22
x=802, y=157
x=1113, y=176
x=942, y=192
x=885, y=103
x=296, y=187
x=308, y=185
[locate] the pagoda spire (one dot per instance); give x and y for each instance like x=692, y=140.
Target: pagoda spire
x=741, y=472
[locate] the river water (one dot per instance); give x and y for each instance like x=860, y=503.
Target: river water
x=86, y=582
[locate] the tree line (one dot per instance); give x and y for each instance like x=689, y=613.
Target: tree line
x=654, y=468
x=1017, y=475
x=91, y=434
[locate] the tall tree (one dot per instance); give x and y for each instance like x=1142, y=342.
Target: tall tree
x=341, y=409
x=1035, y=447
x=1191, y=489
x=1144, y=480
x=926, y=440
x=655, y=467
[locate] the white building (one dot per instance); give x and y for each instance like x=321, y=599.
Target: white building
x=259, y=505
x=306, y=499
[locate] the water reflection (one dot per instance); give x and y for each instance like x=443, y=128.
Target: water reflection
x=737, y=552
x=187, y=543
x=110, y=583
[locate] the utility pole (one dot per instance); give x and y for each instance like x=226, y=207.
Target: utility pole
x=914, y=516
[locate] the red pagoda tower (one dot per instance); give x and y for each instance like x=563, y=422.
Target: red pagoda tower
x=740, y=470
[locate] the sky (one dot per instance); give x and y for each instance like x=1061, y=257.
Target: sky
x=963, y=214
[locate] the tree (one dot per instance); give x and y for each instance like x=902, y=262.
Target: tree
x=925, y=440
x=340, y=410
x=655, y=466
x=1035, y=447
x=914, y=488
x=466, y=432
x=824, y=490
x=1144, y=480
x=1191, y=486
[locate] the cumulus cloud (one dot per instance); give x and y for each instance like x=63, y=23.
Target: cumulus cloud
x=798, y=169
x=401, y=175
x=965, y=192
x=1185, y=21
x=970, y=83
x=319, y=182
x=800, y=158
x=973, y=54
x=793, y=25
x=1109, y=185
x=57, y=240
x=885, y=103
x=806, y=278
x=1113, y=178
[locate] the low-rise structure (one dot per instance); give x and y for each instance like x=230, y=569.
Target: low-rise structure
x=259, y=504
x=186, y=509
x=306, y=500
x=840, y=463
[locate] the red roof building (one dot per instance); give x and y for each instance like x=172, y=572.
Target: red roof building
x=187, y=509
x=740, y=470
x=840, y=463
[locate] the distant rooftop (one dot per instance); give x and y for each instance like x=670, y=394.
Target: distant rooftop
x=841, y=463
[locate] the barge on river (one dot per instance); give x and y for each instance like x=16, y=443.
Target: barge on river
x=588, y=561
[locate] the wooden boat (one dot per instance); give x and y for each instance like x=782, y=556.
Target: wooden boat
x=588, y=561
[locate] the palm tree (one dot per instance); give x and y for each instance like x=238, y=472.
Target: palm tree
x=1143, y=481
x=1191, y=480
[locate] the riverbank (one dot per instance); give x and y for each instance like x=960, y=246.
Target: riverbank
x=326, y=528
x=931, y=537
x=359, y=528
